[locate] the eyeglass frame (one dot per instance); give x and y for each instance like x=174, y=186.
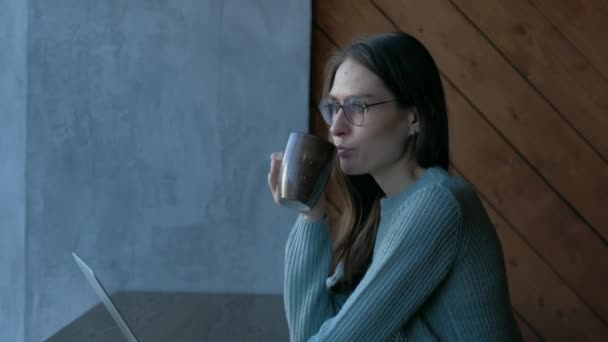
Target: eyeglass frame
x=340, y=106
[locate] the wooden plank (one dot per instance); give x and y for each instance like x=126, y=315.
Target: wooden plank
x=527, y=333
x=538, y=294
x=584, y=23
x=511, y=104
x=552, y=227
x=321, y=51
x=317, y=125
x=548, y=60
x=541, y=297
x=330, y=21
x=545, y=221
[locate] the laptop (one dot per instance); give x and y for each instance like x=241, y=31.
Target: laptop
x=105, y=299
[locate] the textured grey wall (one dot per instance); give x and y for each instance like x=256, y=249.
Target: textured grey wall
x=13, y=92
x=149, y=129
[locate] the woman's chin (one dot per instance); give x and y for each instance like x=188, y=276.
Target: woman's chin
x=350, y=170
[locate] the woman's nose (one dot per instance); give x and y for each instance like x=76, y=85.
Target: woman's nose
x=339, y=125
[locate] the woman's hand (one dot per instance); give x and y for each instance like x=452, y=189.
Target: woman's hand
x=316, y=213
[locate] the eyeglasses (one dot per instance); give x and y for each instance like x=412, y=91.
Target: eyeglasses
x=354, y=110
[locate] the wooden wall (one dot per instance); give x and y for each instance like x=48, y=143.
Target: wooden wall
x=527, y=89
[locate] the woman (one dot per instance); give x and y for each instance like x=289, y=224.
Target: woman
x=414, y=256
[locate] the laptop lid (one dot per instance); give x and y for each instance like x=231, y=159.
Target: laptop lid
x=105, y=299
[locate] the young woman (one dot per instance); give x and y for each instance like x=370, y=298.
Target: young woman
x=414, y=256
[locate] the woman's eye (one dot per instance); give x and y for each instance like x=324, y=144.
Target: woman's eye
x=358, y=106
x=329, y=107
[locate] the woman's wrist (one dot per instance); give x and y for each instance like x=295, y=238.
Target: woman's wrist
x=313, y=217
x=317, y=213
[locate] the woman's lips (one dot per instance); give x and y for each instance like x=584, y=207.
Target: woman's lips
x=344, y=152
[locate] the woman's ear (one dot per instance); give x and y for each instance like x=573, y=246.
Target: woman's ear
x=413, y=122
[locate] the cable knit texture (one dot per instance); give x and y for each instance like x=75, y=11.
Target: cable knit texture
x=437, y=273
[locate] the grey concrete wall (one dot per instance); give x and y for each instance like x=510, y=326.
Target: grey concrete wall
x=149, y=129
x=13, y=92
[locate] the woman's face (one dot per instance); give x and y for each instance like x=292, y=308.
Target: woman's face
x=379, y=143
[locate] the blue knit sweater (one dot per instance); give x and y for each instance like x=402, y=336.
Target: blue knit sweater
x=437, y=273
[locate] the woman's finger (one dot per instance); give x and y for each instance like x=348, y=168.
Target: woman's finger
x=273, y=175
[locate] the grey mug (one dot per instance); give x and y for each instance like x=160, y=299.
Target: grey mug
x=305, y=169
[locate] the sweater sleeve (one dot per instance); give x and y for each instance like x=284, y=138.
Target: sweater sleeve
x=409, y=263
x=307, y=301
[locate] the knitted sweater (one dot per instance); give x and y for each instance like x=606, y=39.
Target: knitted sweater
x=437, y=273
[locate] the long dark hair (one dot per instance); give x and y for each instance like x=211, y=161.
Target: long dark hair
x=410, y=73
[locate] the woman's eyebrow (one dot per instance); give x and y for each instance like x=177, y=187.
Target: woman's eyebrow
x=356, y=95
x=363, y=96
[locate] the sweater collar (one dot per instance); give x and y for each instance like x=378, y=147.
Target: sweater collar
x=389, y=204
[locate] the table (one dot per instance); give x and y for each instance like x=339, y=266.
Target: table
x=188, y=317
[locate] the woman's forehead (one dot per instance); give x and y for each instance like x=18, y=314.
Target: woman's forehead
x=353, y=79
